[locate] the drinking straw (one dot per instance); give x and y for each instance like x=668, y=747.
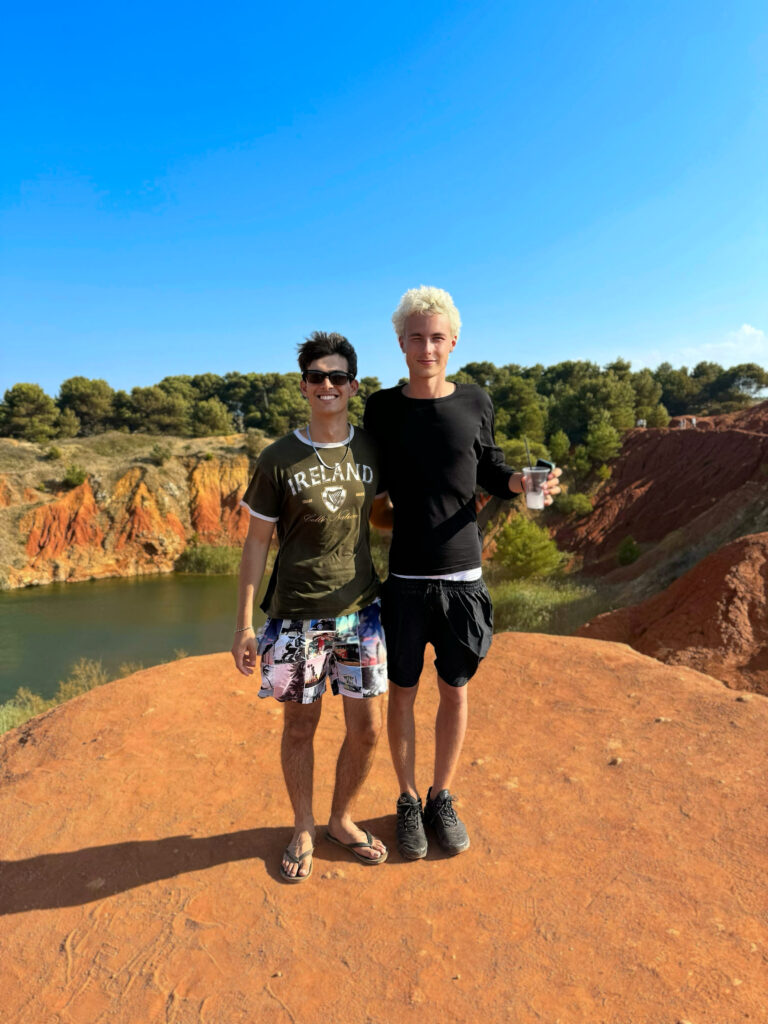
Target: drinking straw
x=527, y=450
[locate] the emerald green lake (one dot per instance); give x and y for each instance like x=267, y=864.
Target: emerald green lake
x=146, y=619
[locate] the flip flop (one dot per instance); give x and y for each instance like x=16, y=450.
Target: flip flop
x=296, y=860
x=354, y=847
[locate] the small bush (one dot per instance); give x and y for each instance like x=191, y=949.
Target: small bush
x=255, y=442
x=53, y=453
x=573, y=504
x=75, y=475
x=603, y=472
x=540, y=606
x=208, y=560
x=525, y=549
x=208, y=456
x=83, y=676
x=628, y=551
x=159, y=453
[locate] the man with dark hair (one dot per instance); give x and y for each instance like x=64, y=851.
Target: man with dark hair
x=436, y=443
x=320, y=344
x=317, y=485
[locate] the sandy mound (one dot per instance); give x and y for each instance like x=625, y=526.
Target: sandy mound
x=617, y=871
x=712, y=619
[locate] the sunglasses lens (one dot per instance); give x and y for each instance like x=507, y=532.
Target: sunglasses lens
x=338, y=379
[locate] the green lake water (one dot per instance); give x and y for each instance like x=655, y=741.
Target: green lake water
x=145, y=619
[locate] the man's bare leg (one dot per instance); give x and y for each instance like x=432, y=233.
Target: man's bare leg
x=401, y=729
x=298, y=760
x=363, y=719
x=450, y=729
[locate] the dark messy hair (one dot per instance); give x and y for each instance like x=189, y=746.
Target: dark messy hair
x=320, y=344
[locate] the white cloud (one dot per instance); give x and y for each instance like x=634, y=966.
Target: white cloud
x=746, y=345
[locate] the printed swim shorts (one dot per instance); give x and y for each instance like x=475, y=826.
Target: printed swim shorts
x=298, y=656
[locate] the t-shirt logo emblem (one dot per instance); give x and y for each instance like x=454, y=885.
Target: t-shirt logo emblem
x=333, y=497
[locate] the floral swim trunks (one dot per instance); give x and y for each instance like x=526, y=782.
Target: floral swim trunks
x=299, y=656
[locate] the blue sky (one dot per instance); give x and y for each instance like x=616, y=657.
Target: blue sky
x=190, y=188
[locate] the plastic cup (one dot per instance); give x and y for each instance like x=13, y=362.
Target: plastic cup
x=534, y=478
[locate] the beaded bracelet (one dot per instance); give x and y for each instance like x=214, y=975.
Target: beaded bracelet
x=243, y=629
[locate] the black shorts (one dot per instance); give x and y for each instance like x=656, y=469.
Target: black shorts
x=456, y=618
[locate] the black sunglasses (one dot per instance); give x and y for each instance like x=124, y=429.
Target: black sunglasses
x=337, y=377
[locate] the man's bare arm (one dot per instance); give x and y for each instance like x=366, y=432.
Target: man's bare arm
x=252, y=566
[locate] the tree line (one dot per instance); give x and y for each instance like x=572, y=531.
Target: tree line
x=573, y=406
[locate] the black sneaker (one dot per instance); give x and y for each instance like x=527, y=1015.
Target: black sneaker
x=411, y=838
x=441, y=817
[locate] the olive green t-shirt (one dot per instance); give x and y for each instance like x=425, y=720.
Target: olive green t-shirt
x=324, y=566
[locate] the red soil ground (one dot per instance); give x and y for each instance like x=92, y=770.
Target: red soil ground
x=617, y=873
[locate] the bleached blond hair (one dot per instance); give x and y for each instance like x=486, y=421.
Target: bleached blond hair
x=426, y=299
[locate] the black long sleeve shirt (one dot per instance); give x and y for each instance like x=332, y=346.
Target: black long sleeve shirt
x=434, y=451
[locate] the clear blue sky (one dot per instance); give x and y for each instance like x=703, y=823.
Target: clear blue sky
x=189, y=188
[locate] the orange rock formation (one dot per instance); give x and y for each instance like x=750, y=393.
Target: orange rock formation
x=138, y=523
x=617, y=871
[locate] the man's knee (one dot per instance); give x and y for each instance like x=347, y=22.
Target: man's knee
x=364, y=729
x=300, y=722
x=402, y=697
x=454, y=696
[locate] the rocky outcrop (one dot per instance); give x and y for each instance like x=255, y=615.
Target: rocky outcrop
x=215, y=489
x=662, y=481
x=713, y=619
x=617, y=871
x=129, y=516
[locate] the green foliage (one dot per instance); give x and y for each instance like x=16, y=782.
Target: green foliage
x=83, y=676
x=209, y=560
x=580, y=461
x=524, y=549
x=657, y=416
x=515, y=454
x=603, y=441
x=542, y=606
x=156, y=411
x=628, y=551
x=255, y=443
x=573, y=504
x=559, y=446
x=210, y=418
x=67, y=424
x=90, y=401
x=603, y=472
x=26, y=412
x=75, y=475
x=53, y=453
x=160, y=453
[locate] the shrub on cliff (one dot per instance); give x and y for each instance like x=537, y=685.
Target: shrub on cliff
x=573, y=504
x=628, y=551
x=159, y=454
x=74, y=476
x=524, y=549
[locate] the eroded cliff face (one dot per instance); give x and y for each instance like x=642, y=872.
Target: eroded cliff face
x=129, y=517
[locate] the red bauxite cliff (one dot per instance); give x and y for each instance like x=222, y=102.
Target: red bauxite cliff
x=128, y=517
x=665, y=479
x=713, y=619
